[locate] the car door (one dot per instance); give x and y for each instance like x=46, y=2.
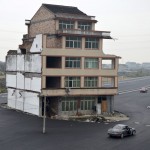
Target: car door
x=128, y=130
x=125, y=131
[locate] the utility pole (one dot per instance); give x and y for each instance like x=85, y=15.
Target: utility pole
x=44, y=115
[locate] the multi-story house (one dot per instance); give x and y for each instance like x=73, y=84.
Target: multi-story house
x=62, y=59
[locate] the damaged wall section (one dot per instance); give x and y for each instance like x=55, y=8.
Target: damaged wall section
x=23, y=76
x=11, y=62
x=24, y=101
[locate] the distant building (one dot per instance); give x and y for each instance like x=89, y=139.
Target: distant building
x=133, y=65
x=146, y=65
x=61, y=58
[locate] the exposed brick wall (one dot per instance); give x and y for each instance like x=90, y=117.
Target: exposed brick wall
x=42, y=14
x=54, y=42
x=42, y=22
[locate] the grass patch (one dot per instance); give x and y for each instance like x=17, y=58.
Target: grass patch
x=3, y=90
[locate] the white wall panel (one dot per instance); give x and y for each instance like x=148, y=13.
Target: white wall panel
x=11, y=98
x=18, y=51
x=20, y=62
x=19, y=102
x=20, y=80
x=33, y=84
x=28, y=63
x=37, y=44
x=36, y=63
x=28, y=83
x=33, y=63
x=11, y=80
x=11, y=63
x=24, y=101
x=31, y=104
x=36, y=84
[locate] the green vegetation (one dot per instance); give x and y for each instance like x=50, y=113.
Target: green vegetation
x=134, y=73
x=2, y=78
x=2, y=85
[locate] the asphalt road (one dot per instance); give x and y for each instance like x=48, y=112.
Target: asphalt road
x=3, y=98
x=131, y=84
x=19, y=131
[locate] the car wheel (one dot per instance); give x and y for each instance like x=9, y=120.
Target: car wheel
x=122, y=136
x=133, y=132
x=109, y=135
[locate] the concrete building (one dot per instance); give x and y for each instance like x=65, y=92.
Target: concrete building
x=61, y=58
x=146, y=65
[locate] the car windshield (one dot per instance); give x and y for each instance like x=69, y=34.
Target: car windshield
x=118, y=127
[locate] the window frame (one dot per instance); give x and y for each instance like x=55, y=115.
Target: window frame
x=73, y=62
x=68, y=105
x=87, y=103
x=91, y=82
x=108, y=84
x=73, y=42
x=91, y=63
x=66, y=24
x=92, y=43
x=72, y=82
x=85, y=26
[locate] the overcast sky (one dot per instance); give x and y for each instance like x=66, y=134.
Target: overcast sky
x=128, y=21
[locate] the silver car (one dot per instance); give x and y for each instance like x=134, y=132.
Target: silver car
x=143, y=90
x=121, y=130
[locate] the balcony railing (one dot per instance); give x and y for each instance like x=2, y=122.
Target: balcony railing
x=103, y=34
x=75, y=92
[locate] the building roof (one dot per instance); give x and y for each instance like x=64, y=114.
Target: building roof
x=64, y=9
x=12, y=52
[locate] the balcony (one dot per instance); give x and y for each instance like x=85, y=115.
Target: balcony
x=78, y=32
x=81, y=92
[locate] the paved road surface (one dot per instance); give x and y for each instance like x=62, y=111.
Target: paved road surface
x=20, y=131
x=134, y=84
x=3, y=98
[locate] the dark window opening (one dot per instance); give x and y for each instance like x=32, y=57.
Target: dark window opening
x=23, y=51
x=53, y=82
x=84, y=25
x=53, y=62
x=101, y=98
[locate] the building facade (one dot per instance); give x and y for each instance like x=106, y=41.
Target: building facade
x=61, y=58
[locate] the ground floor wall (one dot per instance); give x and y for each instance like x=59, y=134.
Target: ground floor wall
x=24, y=101
x=85, y=105
x=32, y=103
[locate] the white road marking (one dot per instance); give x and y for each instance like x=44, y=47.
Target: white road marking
x=132, y=90
x=134, y=79
x=136, y=122
x=148, y=125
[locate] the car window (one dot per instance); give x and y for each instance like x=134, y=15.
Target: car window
x=118, y=127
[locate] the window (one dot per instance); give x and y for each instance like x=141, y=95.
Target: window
x=53, y=62
x=91, y=43
x=90, y=82
x=73, y=42
x=108, y=63
x=69, y=105
x=88, y=103
x=91, y=63
x=72, y=62
x=53, y=82
x=72, y=82
x=66, y=24
x=108, y=82
x=84, y=25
